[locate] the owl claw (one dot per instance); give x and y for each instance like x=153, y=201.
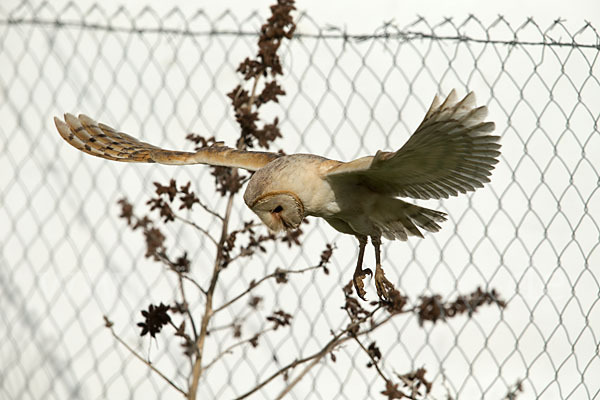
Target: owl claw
x=383, y=285
x=359, y=285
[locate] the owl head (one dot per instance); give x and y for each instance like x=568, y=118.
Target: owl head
x=279, y=211
x=277, y=202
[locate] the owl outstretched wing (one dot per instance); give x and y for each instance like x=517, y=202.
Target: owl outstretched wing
x=451, y=152
x=101, y=140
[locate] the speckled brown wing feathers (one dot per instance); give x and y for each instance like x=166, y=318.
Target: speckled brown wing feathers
x=101, y=140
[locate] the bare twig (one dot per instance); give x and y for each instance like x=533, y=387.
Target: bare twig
x=236, y=321
x=210, y=211
x=373, y=360
x=163, y=258
x=317, y=357
x=253, y=95
x=253, y=285
x=109, y=325
x=185, y=304
x=338, y=339
x=208, y=308
x=315, y=360
x=198, y=227
x=193, y=282
x=234, y=345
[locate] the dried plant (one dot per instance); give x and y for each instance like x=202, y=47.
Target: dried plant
x=193, y=330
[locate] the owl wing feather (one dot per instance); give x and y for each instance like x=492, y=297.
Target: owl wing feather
x=451, y=152
x=102, y=141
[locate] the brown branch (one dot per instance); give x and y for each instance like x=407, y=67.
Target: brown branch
x=373, y=360
x=317, y=356
x=165, y=260
x=186, y=305
x=109, y=325
x=212, y=212
x=340, y=340
x=337, y=340
x=253, y=94
x=198, y=227
x=236, y=321
x=264, y=278
x=326, y=350
x=208, y=310
x=233, y=346
x=193, y=282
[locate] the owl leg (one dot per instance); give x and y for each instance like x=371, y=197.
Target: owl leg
x=359, y=272
x=383, y=285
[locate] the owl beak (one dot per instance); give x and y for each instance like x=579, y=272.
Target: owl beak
x=279, y=222
x=282, y=224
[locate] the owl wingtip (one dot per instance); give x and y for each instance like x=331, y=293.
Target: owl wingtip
x=62, y=127
x=470, y=98
x=86, y=120
x=59, y=123
x=83, y=117
x=70, y=119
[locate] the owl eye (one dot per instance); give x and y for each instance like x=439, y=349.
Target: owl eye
x=277, y=209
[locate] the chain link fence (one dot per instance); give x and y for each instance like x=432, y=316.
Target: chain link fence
x=67, y=259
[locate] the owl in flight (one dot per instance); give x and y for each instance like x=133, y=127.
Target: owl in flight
x=451, y=152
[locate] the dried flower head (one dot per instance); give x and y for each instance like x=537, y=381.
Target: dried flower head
x=154, y=319
x=267, y=63
x=432, y=308
x=280, y=318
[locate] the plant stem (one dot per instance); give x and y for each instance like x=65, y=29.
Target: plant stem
x=208, y=308
x=338, y=339
x=373, y=360
x=149, y=364
x=264, y=278
x=198, y=227
x=233, y=346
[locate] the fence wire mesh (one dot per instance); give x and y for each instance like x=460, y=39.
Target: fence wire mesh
x=532, y=233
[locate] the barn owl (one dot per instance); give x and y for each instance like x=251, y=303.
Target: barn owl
x=451, y=152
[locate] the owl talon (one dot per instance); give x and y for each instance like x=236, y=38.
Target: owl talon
x=383, y=285
x=359, y=285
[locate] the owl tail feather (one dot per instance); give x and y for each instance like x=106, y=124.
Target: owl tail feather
x=398, y=219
